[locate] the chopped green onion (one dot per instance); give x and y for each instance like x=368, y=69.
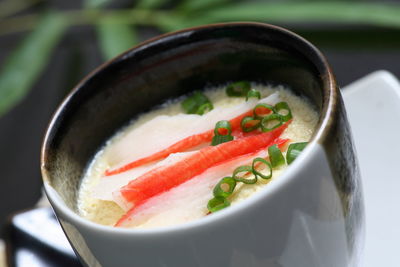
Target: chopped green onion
x=246, y=180
x=275, y=156
x=282, y=108
x=206, y=107
x=266, y=163
x=197, y=103
x=268, y=117
x=294, y=150
x=238, y=89
x=253, y=93
x=219, y=139
x=217, y=203
x=222, y=133
x=249, y=124
x=225, y=187
x=262, y=110
x=223, y=128
x=271, y=122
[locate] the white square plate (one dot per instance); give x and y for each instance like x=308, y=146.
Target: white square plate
x=373, y=109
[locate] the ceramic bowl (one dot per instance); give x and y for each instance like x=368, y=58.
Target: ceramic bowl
x=311, y=216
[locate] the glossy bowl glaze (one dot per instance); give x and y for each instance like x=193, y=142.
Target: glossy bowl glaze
x=311, y=216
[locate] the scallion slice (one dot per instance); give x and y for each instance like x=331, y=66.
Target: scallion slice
x=223, y=128
x=271, y=122
x=204, y=108
x=266, y=163
x=225, y=187
x=247, y=176
x=217, y=203
x=275, y=156
x=253, y=93
x=282, y=108
x=219, y=139
x=197, y=103
x=222, y=133
x=262, y=110
x=294, y=151
x=249, y=124
x=238, y=89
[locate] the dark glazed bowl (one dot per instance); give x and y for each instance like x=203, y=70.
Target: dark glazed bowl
x=326, y=198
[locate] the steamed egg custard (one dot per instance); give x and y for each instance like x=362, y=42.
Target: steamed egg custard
x=196, y=155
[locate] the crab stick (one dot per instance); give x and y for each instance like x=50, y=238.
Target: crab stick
x=165, y=135
x=161, y=179
x=187, y=201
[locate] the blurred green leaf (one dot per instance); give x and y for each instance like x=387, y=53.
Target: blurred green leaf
x=115, y=38
x=171, y=23
x=367, y=13
x=150, y=4
x=95, y=3
x=10, y=7
x=23, y=66
x=190, y=5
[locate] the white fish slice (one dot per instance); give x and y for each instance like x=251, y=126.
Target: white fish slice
x=152, y=136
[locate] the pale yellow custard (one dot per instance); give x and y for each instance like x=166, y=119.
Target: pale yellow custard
x=107, y=212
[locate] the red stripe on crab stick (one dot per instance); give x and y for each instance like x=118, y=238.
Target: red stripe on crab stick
x=180, y=146
x=281, y=143
x=164, y=178
x=129, y=215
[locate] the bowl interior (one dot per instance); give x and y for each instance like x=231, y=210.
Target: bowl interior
x=167, y=67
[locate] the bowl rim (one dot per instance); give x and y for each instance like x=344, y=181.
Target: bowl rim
x=327, y=118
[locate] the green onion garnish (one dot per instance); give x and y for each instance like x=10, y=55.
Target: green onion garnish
x=206, y=107
x=222, y=133
x=197, y=103
x=262, y=110
x=282, y=108
x=238, y=89
x=246, y=170
x=275, y=156
x=217, y=203
x=271, y=122
x=225, y=187
x=266, y=163
x=223, y=128
x=249, y=124
x=268, y=117
x=294, y=150
x=219, y=139
x=253, y=93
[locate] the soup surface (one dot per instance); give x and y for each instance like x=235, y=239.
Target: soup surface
x=101, y=199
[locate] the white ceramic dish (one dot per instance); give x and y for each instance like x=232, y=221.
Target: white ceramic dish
x=373, y=107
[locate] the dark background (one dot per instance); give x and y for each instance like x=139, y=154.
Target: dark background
x=353, y=52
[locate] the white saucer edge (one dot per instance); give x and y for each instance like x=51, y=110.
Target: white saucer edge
x=373, y=108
